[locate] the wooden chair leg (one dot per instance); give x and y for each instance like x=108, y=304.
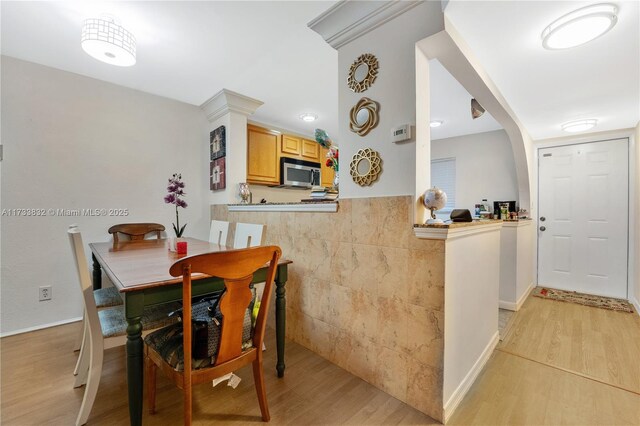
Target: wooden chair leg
x=77, y=345
x=187, y=405
x=258, y=378
x=96, y=353
x=83, y=356
x=150, y=377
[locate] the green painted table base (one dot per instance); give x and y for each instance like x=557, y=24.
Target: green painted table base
x=135, y=301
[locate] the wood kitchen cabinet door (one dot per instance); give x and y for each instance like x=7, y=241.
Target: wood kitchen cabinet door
x=262, y=156
x=291, y=145
x=326, y=173
x=310, y=150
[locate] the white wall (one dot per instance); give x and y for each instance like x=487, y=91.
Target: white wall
x=635, y=255
x=394, y=89
x=484, y=167
x=75, y=142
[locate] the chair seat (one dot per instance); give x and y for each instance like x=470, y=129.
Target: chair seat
x=106, y=297
x=113, y=321
x=167, y=342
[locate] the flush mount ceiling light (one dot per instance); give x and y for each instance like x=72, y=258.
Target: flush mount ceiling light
x=436, y=123
x=579, y=125
x=107, y=41
x=308, y=117
x=580, y=26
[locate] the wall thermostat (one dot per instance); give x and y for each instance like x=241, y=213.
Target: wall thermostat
x=401, y=133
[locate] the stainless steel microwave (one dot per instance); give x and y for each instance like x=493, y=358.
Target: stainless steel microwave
x=298, y=173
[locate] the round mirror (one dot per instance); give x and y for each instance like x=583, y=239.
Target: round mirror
x=363, y=166
x=362, y=70
x=362, y=73
x=362, y=116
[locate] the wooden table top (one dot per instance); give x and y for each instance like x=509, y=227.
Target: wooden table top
x=136, y=265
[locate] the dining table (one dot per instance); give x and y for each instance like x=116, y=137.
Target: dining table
x=140, y=271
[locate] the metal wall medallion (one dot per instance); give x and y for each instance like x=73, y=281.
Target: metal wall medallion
x=365, y=167
x=364, y=116
x=363, y=72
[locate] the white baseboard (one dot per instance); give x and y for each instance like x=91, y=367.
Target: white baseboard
x=457, y=396
x=635, y=303
x=510, y=306
x=40, y=327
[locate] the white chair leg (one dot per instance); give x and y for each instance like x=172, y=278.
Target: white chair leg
x=83, y=367
x=95, y=371
x=82, y=355
x=80, y=338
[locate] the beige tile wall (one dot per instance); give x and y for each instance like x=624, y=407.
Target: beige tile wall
x=364, y=292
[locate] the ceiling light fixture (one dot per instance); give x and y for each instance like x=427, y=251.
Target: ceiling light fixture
x=436, y=123
x=579, y=125
x=580, y=26
x=106, y=40
x=308, y=117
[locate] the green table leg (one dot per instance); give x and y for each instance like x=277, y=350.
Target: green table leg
x=281, y=313
x=97, y=273
x=133, y=310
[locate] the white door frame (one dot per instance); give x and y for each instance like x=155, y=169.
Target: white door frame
x=634, y=169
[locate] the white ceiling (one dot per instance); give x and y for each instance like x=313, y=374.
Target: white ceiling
x=188, y=51
x=451, y=104
x=545, y=88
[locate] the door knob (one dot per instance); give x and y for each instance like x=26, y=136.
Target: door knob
x=543, y=228
x=542, y=218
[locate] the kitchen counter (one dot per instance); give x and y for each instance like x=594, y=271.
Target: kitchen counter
x=319, y=206
x=445, y=231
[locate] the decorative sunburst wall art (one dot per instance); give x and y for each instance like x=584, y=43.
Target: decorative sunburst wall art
x=363, y=73
x=364, y=116
x=365, y=167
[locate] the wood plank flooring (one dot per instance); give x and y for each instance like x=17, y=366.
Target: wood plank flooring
x=37, y=380
x=595, y=342
x=559, y=364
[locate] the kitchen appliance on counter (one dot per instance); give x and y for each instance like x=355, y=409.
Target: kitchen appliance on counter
x=298, y=174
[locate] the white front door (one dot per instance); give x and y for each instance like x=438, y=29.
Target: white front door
x=583, y=217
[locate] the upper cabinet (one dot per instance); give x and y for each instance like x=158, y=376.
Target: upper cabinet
x=265, y=148
x=262, y=156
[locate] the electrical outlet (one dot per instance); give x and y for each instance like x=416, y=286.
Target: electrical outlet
x=45, y=293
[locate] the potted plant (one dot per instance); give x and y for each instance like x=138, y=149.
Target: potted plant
x=175, y=196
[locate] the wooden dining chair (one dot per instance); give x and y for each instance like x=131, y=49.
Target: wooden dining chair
x=247, y=235
x=135, y=231
x=236, y=268
x=106, y=328
x=218, y=233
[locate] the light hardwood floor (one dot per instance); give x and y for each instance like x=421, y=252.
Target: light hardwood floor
x=528, y=381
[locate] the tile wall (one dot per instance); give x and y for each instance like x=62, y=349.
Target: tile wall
x=364, y=292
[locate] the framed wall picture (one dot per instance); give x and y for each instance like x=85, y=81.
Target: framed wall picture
x=217, y=175
x=218, y=143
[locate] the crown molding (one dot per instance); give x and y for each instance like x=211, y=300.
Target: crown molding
x=226, y=101
x=347, y=20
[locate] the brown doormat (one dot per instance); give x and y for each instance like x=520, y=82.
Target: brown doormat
x=583, y=299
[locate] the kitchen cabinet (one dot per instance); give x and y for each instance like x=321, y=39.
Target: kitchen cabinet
x=262, y=156
x=301, y=149
x=326, y=173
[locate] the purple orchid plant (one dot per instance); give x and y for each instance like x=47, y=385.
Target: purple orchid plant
x=175, y=195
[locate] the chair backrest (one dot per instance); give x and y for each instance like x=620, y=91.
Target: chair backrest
x=84, y=276
x=135, y=231
x=219, y=232
x=247, y=235
x=236, y=268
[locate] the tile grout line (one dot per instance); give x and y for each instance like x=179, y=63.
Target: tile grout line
x=575, y=373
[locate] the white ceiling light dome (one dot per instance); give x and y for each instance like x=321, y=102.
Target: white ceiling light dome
x=580, y=26
x=106, y=40
x=435, y=123
x=308, y=117
x=579, y=125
